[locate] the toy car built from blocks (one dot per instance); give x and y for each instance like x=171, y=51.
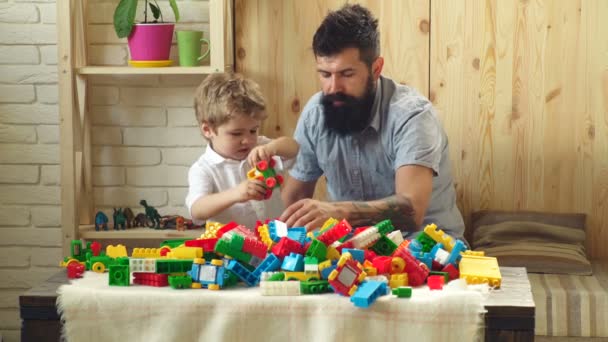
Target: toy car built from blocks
x=347, y=275
x=264, y=171
x=207, y=274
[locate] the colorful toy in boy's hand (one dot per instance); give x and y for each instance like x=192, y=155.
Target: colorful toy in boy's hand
x=265, y=171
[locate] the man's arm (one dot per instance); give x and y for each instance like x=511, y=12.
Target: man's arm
x=294, y=190
x=406, y=209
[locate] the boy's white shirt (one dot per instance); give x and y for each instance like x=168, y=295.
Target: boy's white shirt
x=212, y=173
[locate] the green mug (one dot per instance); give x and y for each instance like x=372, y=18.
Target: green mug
x=189, y=44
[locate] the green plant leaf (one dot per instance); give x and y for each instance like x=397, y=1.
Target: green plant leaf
x=155, y=11
x=175, y=9
x=124, y=17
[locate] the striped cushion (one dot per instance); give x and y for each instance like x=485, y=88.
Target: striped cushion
x=569, y=305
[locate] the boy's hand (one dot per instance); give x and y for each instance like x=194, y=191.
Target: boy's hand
x=259, y=153
x=251, y=189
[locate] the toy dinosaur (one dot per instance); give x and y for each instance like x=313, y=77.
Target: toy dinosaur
x=152, y=214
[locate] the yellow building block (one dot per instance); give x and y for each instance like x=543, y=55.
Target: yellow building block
x=146, y=253
x=330, y=222
x=439, y=236
x=479, y=270
x=185, y=253
x=265, y=235
x=332, y=253
x=398, y=279
x=474, y=253
x=116, y=251
x=211, y=229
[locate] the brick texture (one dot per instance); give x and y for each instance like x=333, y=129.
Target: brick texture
x=143, y=131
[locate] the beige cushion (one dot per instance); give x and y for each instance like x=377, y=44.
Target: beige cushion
x=541, y=242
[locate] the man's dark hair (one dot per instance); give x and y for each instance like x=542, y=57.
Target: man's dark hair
x=350, y=26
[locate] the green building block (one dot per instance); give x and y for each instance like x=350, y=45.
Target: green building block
x=172, y=243
x=385, y=227
x=426, y=241
x=225, y=247
x=384, y=246
x=119, y=275
x=318, y=250
x=230, y=279
x=173, y=266
x=180, y=282
x=315, y=287
x=403, y=291
x=280, y=276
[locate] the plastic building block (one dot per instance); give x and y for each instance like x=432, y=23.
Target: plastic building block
x=369, y=268
x=398, y=280
x=226, y=247
x=146, y=253
x=435, y=282
x=180, y=282
x=207, y=274
x=439, y=236
x=347, y=275
x=396, y=236
x=264, y=171
x=445, y=275
x=151, y=279
x=403, y=292
x=366, y=238
x=272, y=276
x=397, y=265
x=75, y=269
x=173, y=266
x=358, y=254
x=206, y=244
x=335, y=233
x=458, y=248
x=265, y=236
x=452, y=271
x=311, y=265
x=142, y=265
x=269, y=264
x=116, y=251
x=241, y=272
x=415, y=246
x=99, y=264
x=426, y=242
x=277, y=230
x=301, y=276
x=286, y=246
x=383, y=264
x=297, y=234
x=293, y=263
x=119, y=275
x=185, y=253
x=329, y=223
x=280, y=288
x=440, y=255
x=367, y=293
x=475, y=253
x=384, y=246
x=315, y=287
x=479, y=270
x=332, y=253
x=416, y=270
x=255, y=247
x=317, y=249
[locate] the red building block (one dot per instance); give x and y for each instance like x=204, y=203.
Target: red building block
x=435, y=282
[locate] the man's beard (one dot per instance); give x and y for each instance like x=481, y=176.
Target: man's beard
x=353, y=115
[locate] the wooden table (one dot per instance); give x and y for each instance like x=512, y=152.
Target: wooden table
x=510, y=315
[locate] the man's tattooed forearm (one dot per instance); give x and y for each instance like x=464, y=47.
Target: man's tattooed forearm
x=397, y=208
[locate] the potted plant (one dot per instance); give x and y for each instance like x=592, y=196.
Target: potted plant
x=151, y=39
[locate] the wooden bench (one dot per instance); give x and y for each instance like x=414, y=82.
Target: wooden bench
x=509, y=317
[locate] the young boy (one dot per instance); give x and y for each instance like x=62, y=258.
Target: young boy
x=229, y=109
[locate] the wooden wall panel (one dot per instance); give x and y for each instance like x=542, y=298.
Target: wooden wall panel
x=521, y=86
x=522, y=89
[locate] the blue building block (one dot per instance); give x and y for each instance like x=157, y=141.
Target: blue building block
x=415, y=246
x=269, y=264
x=241, y=272
x=433, y=251
x=293, y=263
x=207, y=274
x=455, y=256
x=326, y=271
x=358, y=254
x=425, y=258
x=368, y=292
x=297, y=234
x=277, y=230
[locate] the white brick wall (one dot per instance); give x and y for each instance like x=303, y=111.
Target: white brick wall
x=144, y=137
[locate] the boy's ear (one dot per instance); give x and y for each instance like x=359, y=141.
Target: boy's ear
x=207, y=130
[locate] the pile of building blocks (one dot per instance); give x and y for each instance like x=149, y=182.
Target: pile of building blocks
x=363, y=263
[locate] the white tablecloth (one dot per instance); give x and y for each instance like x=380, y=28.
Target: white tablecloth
x=93, y=311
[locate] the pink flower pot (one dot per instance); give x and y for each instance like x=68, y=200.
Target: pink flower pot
x=151, y=42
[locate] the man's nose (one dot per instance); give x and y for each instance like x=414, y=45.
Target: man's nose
x=335, y=85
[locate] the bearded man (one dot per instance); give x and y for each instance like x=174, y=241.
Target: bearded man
x=379, y=144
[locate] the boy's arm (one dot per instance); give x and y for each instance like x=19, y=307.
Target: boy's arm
x=212, y=204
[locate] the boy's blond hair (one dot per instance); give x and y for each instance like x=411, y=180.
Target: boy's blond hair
x=221, y=96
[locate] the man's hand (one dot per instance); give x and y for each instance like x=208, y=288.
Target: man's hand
x=310, y=213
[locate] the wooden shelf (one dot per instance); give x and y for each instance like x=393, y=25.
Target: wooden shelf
x=128, y=70
x=88, y=232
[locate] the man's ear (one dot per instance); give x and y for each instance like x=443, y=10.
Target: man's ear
x=377, y=67
x=207, y=130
